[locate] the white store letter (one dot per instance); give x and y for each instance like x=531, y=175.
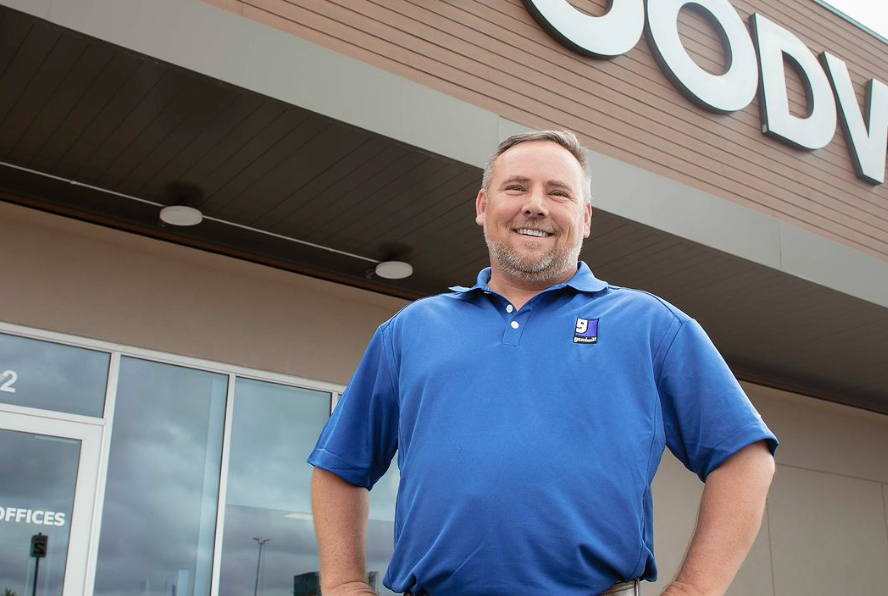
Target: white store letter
x=818, y=128
x=727, y=92
x=867, y=141
x=606, y=36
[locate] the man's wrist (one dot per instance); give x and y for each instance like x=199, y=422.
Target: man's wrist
x=349, y=589
x=681, y=588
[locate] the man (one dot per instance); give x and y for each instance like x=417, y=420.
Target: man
x=530, y=412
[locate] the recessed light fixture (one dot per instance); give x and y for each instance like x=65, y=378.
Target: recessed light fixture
x=394, y=269
x=180, y=215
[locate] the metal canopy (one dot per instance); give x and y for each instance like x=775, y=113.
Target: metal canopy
x=97, y=132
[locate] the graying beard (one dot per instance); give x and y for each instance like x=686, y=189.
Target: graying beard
x=550, y=267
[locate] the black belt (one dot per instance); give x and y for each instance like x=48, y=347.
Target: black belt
x=632, y=588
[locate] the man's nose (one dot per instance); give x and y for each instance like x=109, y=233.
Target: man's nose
x=535, y=205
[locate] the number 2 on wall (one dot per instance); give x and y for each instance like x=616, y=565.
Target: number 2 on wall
x=8, y=378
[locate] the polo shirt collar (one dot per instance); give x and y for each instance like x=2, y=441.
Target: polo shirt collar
x=583, y=281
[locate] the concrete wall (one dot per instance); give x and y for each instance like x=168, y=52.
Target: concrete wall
x=825, y=531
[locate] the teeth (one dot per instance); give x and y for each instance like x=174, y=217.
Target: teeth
x=528, y=232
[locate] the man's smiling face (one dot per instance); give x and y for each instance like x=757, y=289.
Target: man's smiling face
x=534, y=214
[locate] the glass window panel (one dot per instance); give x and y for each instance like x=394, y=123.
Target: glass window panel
x=50, y=376
x=274, y=428
x=158, y=524
x=38, y=475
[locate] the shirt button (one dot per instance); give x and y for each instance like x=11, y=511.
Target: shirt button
x=510, y=308
x=514, y=324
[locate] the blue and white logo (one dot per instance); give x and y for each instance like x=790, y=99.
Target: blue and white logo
x=586, y=331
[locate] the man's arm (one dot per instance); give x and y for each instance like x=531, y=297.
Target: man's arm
x=728, y=521
x=340, y=519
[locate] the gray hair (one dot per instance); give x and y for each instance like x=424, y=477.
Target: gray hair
x=565, y=138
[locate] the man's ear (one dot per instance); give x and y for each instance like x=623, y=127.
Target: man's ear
x=587, y=219
x=480, y=207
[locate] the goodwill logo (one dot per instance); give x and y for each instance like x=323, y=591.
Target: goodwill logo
x=586, y=331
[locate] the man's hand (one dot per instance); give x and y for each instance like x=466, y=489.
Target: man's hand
x=340, y=517
x=728, y=521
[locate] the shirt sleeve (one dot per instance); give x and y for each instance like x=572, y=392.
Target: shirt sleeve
x=706, y=415
x=361, y=437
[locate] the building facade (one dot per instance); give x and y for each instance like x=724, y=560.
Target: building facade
x=160, y=387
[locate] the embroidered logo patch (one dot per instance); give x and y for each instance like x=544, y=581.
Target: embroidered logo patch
x=586, y=331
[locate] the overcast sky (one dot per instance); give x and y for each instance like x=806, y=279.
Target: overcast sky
x=872, y=13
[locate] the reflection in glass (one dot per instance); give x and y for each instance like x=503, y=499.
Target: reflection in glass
x=42, y=374
x=274, y=428
x=37, y=479
x=158, y=524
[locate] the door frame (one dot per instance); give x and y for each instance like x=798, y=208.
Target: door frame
x=80, y=535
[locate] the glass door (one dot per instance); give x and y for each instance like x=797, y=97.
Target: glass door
x=48, y=477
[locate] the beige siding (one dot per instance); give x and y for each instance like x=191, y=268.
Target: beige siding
x=491, y=53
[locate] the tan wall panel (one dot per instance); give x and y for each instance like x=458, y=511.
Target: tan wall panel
x=819, y=435
x=491, y=53
x=80, y=279
x=825, y=528
x=827, y=533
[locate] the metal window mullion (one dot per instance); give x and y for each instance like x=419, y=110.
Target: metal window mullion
x=51, y=415
x=104, y=457
x=223, y=486
x=168, y=358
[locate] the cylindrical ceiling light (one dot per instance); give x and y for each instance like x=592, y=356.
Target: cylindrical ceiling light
x=394, y=269
x=180, y=215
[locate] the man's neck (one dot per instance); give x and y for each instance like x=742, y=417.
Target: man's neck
x=518, y=291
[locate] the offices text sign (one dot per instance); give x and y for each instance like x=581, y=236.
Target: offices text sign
x=19, y=515
x=755, y=65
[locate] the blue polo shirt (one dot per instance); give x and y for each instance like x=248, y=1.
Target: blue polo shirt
x=527, y=439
